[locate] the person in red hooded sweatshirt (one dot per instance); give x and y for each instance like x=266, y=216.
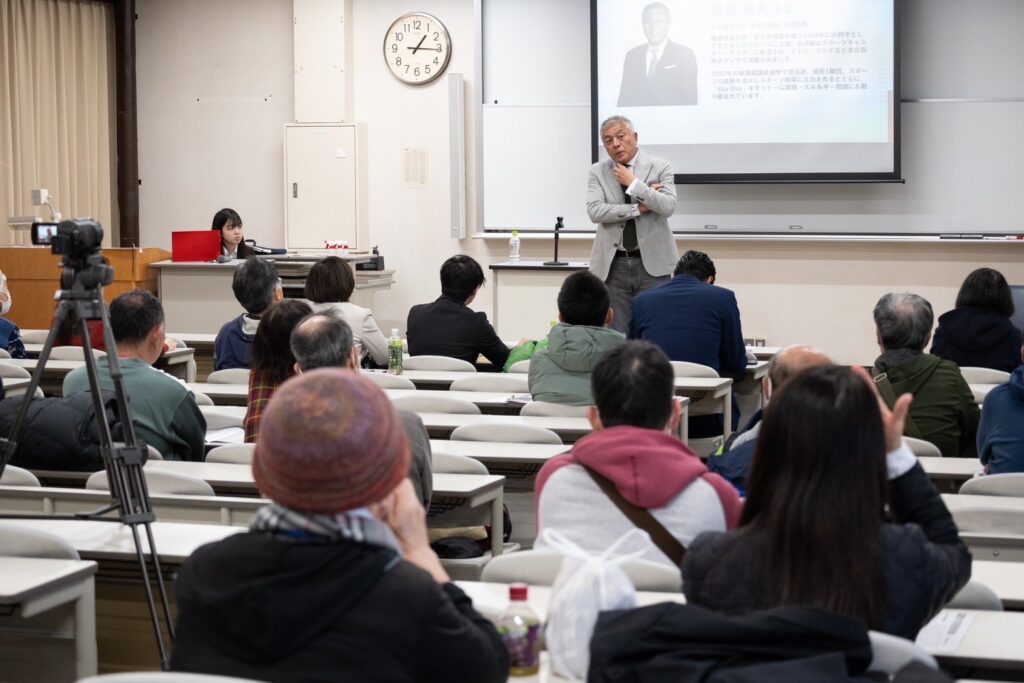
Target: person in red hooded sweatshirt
x=632, y=449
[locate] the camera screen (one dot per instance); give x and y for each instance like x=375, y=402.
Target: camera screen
x=43, y=233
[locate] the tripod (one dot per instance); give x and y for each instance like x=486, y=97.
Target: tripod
x=82, y=294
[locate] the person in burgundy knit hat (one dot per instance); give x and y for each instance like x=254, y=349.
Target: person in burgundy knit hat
x=335, y=575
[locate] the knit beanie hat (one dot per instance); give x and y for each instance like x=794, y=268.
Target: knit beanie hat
x=329, y=442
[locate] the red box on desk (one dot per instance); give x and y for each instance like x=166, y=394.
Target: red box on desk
x=195, y=245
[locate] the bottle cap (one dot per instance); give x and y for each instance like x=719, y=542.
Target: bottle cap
x=515, y=233
x=394, y=331
x=517, y=591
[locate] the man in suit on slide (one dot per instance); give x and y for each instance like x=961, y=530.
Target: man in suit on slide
x=660, y=73
x=630, y=197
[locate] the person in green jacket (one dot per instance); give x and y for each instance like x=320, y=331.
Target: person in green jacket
x=561, y=372
x=943, y=412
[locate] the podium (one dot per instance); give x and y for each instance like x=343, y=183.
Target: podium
x=33, y=276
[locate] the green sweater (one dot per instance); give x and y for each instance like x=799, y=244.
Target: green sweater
x=561, y=372
x=164, y=411
x=943, y=410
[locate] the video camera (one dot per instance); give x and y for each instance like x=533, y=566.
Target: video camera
x=78, y=242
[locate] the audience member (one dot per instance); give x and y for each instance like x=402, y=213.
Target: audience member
x=10, y=339
x=732, y=461
x=232, y=240
x=978, y=332
x=324, y=340
x=163, y=410
x=812, y=530
x=632, y=460
x=944, y=411
x=448, y=327
x=272, y=359
x=694, y=321
x=335, y=579
x=329, y=285
x=257, y=287
x=561, y=372
x=1001, y=430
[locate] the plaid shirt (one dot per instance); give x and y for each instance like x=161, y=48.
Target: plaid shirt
x=260, y=392
x=354, y=525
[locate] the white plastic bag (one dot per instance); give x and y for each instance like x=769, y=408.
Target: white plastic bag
x=587, y=584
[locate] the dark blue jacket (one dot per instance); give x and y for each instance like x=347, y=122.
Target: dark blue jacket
x=977, y=338
x=233, y=347
x=695, y=322
x=1001, y=430
x=10, y=339
x=732, y=462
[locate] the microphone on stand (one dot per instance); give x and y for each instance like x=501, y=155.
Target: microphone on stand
x=556, y=262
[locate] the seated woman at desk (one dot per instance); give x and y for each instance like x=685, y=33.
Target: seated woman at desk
x=329, y=285
x=813, y=530
x=272, y=359
x=231, y=237
x=978, y=332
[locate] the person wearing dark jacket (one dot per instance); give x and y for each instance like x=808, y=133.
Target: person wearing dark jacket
x=1001, y=431
x=448, y=327
x=257, y=287
x=335, y=580
x=978, y=332
x=812, y=530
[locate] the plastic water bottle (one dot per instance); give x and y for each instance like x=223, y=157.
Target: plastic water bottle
x=519, y=628
x=513, y=247
x=394, y=353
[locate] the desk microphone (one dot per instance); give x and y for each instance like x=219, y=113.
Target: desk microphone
x=556, y=262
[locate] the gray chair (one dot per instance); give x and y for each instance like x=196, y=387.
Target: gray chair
x=452, y=463
x=890, y=653
x=545, y=409
x=4, y=354
x=22, y=541
x=386, y=381
x=230, y=376
x=922, y=448
x=976, y=595
x=1010, y=484
x=436, y=363
x=219, y=418
x=541, y=567
x=511, y=433
x=984, y=375
x=683, y=368
x=522, y=366
x=1001, y=521
x=34, y=336
x=430, y=403
x=16, y=476
x=488, y=381
x=73, y=353
x=8, y=371
x=236, y=453
x=202, y=399
x=159, y=481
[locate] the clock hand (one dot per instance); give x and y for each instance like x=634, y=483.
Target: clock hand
x=417, y=44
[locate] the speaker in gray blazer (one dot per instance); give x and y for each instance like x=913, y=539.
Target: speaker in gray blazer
x=607, y=208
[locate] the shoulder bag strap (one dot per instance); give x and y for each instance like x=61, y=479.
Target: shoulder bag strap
x=889, y=395
x=641, y=518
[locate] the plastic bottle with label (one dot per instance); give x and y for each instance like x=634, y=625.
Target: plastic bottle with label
x=513, y=247
x=394, y=353
x=519, y=628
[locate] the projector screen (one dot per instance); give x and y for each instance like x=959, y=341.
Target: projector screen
x=752, y=90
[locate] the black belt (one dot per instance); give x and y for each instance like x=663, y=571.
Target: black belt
x=623, y=253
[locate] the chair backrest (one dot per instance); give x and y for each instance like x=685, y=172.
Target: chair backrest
x=684, y=368
x=217, y=418
x=16, y=476
x=34, y=336
x=984, y=376
x=922, y=448
x=159, y=481
x=4, y=354
x=154, y=454
x=520, y=366
x=385, y=381
x=452, y=463
x=485, y=381
x=73, y=353
x=237, y=453
x=545, y=409
x=163, y=677
x=1010, y=484
x=889, y=653
x=230, y=376
x=511, y=433
x=432, y=403
x=993, y=520
x=14, y=372
x=976, y=595
x=202, y=399
x=20, y=541
x=541, y=567
x=437, y=363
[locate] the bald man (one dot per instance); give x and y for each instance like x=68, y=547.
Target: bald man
x=732, y=461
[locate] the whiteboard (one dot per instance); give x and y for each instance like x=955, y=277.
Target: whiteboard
x=962, y=159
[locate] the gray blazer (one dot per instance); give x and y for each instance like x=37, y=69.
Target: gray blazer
x=606, y=207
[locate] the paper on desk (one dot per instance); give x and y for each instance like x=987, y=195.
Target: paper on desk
x=519, y=398
x=226, y=435
x=943, y=634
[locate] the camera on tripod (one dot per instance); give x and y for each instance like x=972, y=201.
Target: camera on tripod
x=78, y=241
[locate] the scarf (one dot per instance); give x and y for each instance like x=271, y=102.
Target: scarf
x=353, y=525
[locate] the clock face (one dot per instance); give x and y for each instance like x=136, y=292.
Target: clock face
x=417, y=48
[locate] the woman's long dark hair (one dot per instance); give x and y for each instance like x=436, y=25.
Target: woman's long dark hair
x=271, y=348
x=817, y=493
x=986, y=288
x=230, y=217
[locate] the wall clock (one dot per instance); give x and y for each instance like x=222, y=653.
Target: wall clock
x=417, y=48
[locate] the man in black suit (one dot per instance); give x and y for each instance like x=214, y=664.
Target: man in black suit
x=660, y=73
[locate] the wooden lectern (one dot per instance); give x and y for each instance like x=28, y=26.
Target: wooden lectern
x=33, y=276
